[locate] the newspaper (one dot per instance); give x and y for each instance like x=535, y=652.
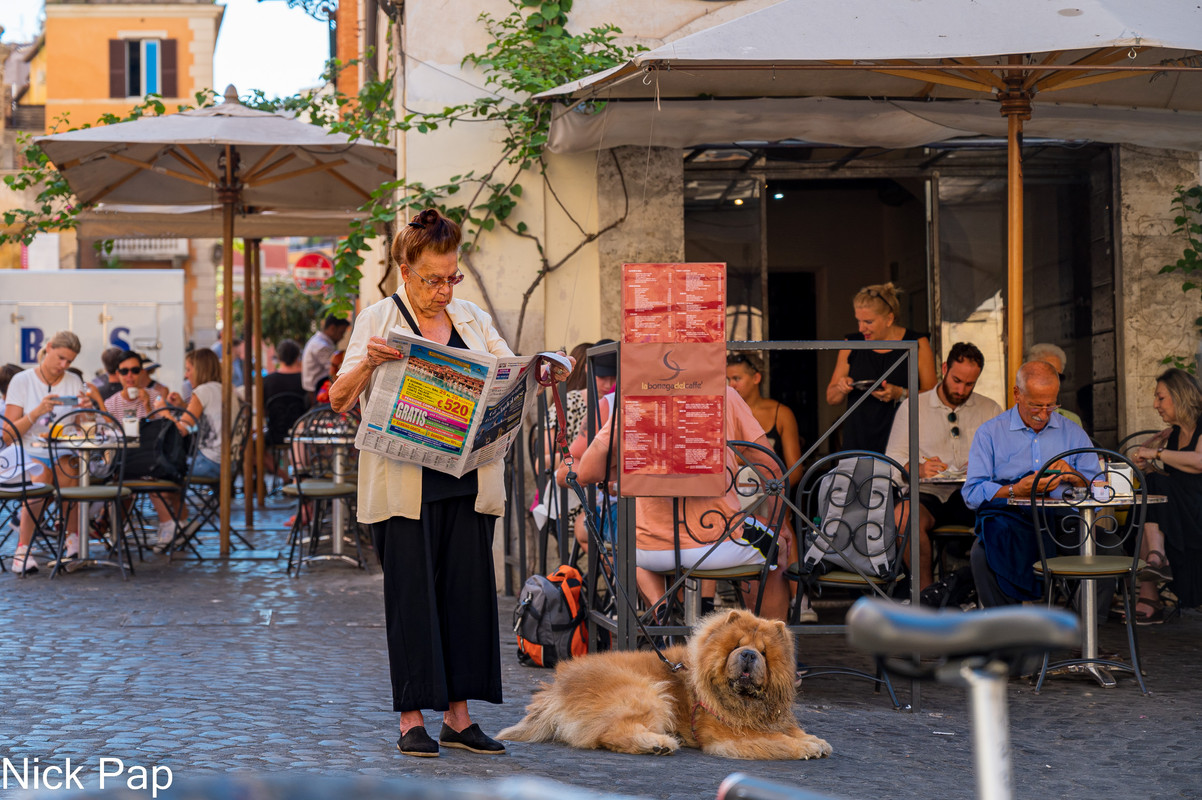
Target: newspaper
x=446, y=408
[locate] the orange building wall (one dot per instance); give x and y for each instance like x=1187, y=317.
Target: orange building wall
x=349, y=41
x=77, y=37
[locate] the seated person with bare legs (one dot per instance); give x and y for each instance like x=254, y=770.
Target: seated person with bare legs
x=139, y=401
x=655, y=523
x=1171, y=548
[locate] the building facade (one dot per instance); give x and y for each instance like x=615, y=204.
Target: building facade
x=803, y=227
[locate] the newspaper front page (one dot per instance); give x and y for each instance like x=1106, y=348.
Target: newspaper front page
x=447, y=408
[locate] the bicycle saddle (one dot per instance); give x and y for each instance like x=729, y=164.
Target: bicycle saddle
x=882, y=628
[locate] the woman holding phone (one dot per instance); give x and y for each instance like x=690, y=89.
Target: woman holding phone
x=36, y=397
x=877, y=310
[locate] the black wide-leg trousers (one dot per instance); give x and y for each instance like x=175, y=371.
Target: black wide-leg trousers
x=440, y=606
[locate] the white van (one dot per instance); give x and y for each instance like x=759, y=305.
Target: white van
x=137, y=309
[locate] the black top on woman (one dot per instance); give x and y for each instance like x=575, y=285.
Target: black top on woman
x=876, y=310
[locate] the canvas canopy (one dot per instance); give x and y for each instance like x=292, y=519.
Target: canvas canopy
x=910, y=57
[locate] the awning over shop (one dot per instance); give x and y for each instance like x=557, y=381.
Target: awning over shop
x=881, y=48
x=855, y=123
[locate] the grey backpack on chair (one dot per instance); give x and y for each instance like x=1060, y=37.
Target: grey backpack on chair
x=855, y=507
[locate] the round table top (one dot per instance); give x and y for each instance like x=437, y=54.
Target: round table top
x=1088, y=502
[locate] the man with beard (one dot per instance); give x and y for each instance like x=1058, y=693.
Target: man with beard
x=948, y=417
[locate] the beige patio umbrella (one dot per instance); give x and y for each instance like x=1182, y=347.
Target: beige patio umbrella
x=108, y=221
x=1106, y=70
x=227, y=156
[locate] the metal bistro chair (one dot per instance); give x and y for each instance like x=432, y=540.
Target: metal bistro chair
x=166, y=489
x=204, y=495
x=315, y=439
x=758, y=482
x=15, y=490
x=1094, y=541
x=850, y=538
x=90, y=444
x=282, y=410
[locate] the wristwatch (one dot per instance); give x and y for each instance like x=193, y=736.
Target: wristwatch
x=1011, y=489
x=1160, y=449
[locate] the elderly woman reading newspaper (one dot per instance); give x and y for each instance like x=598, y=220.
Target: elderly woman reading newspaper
x=432, y=531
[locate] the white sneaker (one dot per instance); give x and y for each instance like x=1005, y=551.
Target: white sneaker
x=71, y=547
x=166, y=533
x=807, y=615
x=23, y=563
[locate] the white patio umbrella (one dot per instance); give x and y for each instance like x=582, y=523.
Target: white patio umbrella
x=1106, y=70
x=227, y=156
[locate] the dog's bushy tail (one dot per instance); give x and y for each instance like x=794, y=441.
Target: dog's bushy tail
x=537, y=726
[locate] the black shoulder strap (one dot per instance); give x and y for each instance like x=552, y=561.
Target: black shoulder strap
x=405, y=313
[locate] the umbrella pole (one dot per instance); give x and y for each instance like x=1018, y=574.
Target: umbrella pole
x=228, y=196
x=260, y=418
x=1016, y=107
x=249, y=393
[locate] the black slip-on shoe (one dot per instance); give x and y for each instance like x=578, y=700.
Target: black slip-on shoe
x=470, y=738
x=417, y=743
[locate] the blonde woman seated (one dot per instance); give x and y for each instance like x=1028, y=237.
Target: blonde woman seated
x=654, y=520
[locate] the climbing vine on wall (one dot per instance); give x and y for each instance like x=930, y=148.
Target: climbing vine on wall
x=1187, y=205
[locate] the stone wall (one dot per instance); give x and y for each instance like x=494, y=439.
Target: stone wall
x=1157, y=317
x=652, y=182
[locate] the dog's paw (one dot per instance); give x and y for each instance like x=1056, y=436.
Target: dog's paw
x=657, y=744
x=813, y=747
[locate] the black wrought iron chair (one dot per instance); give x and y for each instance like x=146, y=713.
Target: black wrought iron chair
x=16, y=491
x=91, y=445
x=204, y=495
x=1090, y=534
x=281, y=410
x=853, y=527
x=319, y=439
x=171, y=490
x=757, y=481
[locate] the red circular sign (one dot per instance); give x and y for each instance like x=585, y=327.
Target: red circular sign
x=310, y=272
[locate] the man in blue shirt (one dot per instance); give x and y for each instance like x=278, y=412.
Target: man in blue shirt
x=1006, y=453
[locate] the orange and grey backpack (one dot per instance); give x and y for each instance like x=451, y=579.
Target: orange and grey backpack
x=550, y=620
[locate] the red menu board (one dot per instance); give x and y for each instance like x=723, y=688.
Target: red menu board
x=673, y=380
x=673, y=303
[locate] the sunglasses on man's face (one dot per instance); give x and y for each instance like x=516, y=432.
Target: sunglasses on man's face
x=129, y=370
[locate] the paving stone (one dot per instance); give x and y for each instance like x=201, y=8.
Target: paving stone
x=217, y=666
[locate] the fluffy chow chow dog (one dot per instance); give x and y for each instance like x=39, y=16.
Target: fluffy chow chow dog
x=733, y=698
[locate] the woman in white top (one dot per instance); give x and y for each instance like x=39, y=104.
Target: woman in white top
x=202, y=369
x=35, y=398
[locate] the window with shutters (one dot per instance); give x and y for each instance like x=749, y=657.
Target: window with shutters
x=139, y=67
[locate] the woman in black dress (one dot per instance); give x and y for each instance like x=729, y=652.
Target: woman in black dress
x=432, y=531
x=1172, y=546
x=876, y=309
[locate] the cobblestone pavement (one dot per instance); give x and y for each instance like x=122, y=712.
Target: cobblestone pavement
x=220, y=666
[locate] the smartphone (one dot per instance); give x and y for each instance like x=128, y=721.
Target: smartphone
x=861, y=385
x=69, y=400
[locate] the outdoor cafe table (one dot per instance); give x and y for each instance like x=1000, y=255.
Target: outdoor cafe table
x=1088, y=509
x=341, y=443
x=87, y=445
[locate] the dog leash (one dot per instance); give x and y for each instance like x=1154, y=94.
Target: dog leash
x=609, y=569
